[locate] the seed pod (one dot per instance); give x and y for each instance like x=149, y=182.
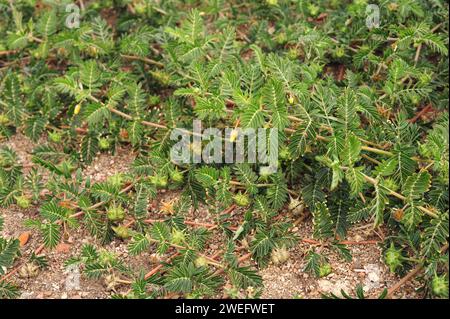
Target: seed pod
x=279, y=255
x=104, y=143
x=281, y=38
x=393, y=258
x=123, y=134
x=62, y=52
x=177, y=237
x=22, y=201
x=54, y=137
x=29, y=270
x=140, y=8
x=241, y=199
x=106, y=257
x=398, y=214
x=156, y=258
x=201, y=262
x=176, y=176
x=293, y=203
x=77, y=109
x=313, y=9
x=439, y=285
x=291, y=97
x=115, y=213
x=392, y=6
x=92, y=51
x=339, y=52
x=293, y=54
x=121, y=232
x=325, y=270
x=3, y=119
x=116, y=179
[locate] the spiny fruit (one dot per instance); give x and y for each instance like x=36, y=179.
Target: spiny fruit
x=313, y=9
x=241, y=199
x=178, y=237
x=153, y=99
x=103, y=143
x=77, y=109
x=123, y=135
x=390, y=184
x=439, y=285
x=6, y=161
x=339, y=52
x=66, y=166
x=116, y=179
x=293, y=54
x=281, y=38
x=3, y=119
x=121, y=232
x=111, y=282
x=158, y=181
x=176, y=176
x=233, y=135
x=280, y=255
x=200, y=262
x=115, y=213
x=92, y=51
x=62, y=52
x=393, y=258
x=398, y=214
x=291, y=99
x=106, y=257
x=22, y=201
x=161, y=77
x=325, y=270
x=296, y=206
x=140, y=7
x=55, y=137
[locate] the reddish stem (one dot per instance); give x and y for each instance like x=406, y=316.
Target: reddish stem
x=426, y=109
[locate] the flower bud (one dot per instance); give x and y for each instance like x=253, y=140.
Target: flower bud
x=77, y=109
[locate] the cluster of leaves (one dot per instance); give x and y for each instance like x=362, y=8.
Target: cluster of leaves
x=9, y=251
x=343, y=97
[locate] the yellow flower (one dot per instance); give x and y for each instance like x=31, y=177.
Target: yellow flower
x=77, y=109
x=233, y=135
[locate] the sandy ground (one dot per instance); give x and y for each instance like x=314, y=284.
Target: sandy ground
x=282, y=281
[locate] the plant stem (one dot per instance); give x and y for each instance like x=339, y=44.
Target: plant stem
x=142, y=59
x=400, y=196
